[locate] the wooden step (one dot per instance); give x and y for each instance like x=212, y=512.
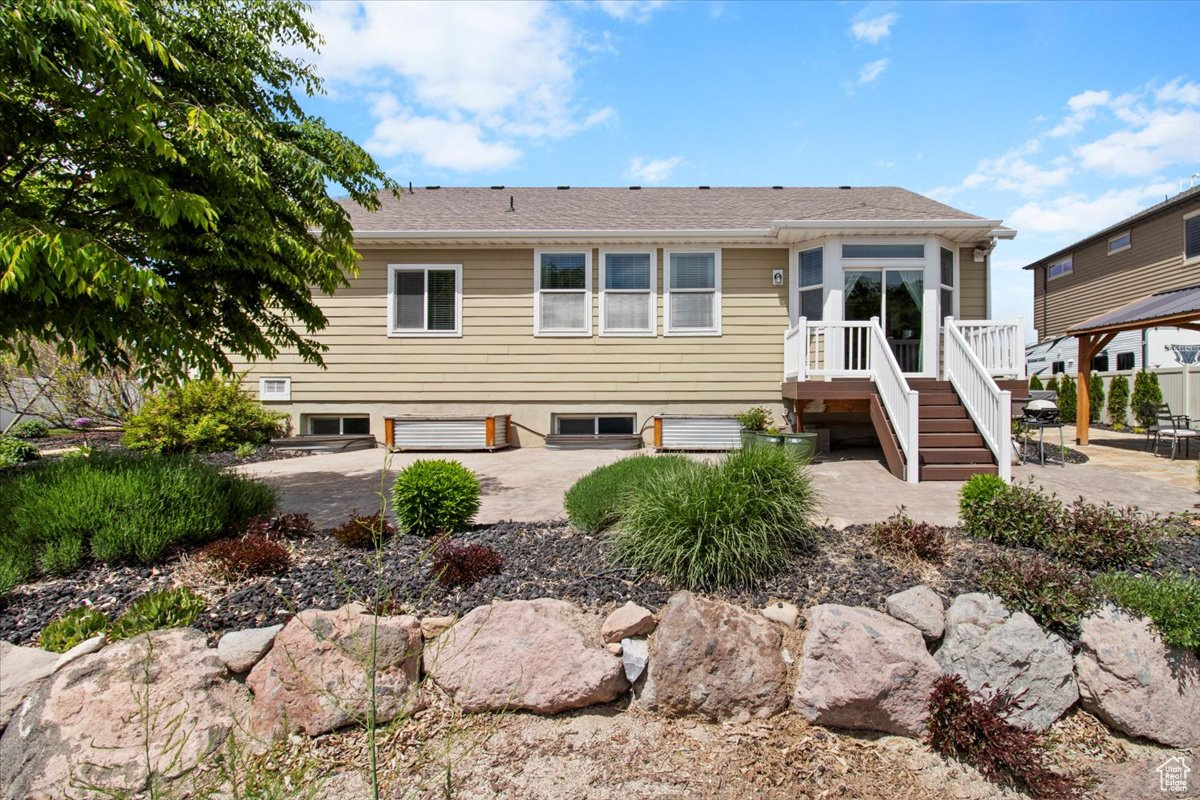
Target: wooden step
x=960, y=425
x=930, y=385
x=940, y=412
x=956, y=472
x=956, y=455
x=939, y=399
x=941, y=440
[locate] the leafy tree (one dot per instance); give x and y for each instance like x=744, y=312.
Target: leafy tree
x=1118, y=400
x=1035, y=384
x=162, y=193
x=1095, y=397
x=1066, y=397
x=1147, y=396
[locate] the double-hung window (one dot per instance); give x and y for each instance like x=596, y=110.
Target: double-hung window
x=812, y=283
x=1057, y=269
x=1191, y=235
x=947, y=286
x=693, y=293
x=562, y=286
x=627, y=300
x=425, y=300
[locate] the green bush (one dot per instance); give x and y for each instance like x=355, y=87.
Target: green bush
x=755, y=419
x=706, y=526
x=1035, y=384
x=1102, y=536
x=1055, y=594
x=30, y=429
x=117, y=508
x=201, y=416
x=1095, y=398
x=1172, y=602
x=172, y=608
x=1066, y=398
x=1012, y=515
x=1052, y=384
x=596, y=500
x=14, y=451
x=77, y=625
x=435, y=497
x=1147, y=397
x=979, y=490
x=1118, y=401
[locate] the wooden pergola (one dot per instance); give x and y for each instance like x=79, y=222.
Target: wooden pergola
x=1175, y=308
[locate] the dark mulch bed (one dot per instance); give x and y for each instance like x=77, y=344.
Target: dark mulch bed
x=1030, y=452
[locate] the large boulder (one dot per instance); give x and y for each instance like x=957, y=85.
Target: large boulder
x=865, y=670
x=89, y=730
x=314, y=679
x=714, y=659
x=920, y=607
x=1132, y=680
x=995, y=650
x=22, y=671
x=538, y=655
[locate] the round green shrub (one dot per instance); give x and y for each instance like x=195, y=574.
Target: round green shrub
x=77, y=625
x=435, y=497
x=15, y=451
x=979, y=490
x=30, y=429
x=1035, y=384
x=709, y=526
x=172, y=608
x=596, y=500
x=201, y=416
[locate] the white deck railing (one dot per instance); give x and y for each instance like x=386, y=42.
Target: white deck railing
x=989, y=407
x=999, y=344
x=823, y=350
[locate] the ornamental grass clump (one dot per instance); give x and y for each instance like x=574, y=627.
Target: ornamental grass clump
x=979, y=733
x=709, y=526
x=1172, y=602
x=901, y=535
x=1055, y=594
x=595, y=502
x=432, y=497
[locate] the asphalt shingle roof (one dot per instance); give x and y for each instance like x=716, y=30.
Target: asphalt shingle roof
x=657, y=208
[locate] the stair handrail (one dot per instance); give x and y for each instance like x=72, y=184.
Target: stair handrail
x=899, y=400
x=989, y=407
x=999, y=344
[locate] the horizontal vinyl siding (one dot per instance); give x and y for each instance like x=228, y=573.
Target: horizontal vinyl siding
x=499, y=359
x=972, y=294
x=1100, y=282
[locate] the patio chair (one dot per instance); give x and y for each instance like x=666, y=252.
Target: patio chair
x=1040, y=415
x=1150, y=411
x=1177, y=428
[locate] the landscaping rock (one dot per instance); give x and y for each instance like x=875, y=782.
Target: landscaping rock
x=628, y=620
x=433, y=627
x=314, y=680
x=538, y=655
x=22, y=671
x=993, y=650
x=783, y=612
x=91, y=724
x=241, y=650
x=864, y=670
x=614, y=648
x=84, y=648
x=1132, y=680
x=714, y=659
x=635, y=655
x=920, y=607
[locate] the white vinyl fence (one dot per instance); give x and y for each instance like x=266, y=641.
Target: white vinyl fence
x=1180, y=390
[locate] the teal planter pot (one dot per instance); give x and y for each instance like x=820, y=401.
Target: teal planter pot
x=774, y=439
x=749, y=438
x=801, y=445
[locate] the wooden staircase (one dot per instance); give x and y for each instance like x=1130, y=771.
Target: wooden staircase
x=949, y=446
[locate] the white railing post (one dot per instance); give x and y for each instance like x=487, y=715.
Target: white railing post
x=988, y=407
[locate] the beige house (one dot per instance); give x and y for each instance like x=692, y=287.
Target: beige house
x=567, y=312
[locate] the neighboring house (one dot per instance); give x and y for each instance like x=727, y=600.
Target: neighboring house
x=589, y=312
x=1153, y=250
x=1152, y=349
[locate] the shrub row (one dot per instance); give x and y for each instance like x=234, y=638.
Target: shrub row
x=172, y=608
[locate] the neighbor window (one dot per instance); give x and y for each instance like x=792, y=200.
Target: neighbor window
x=1057, y=367
x=947, y=264
x=425, y=300
x=1059, y=268
x=594, y=425
x=1191, y=227
x=627, y=293
x=562, y=296
x=339, y=426
x=1124, y=361
x=812, y=283
x=883, y=251
x=693, y=293
x=1118, y=243
x=1100, y=363
x=274, y=388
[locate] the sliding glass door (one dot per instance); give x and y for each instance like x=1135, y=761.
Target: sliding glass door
x=896, y=297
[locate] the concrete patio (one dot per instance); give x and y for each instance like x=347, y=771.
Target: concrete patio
x=528, y=484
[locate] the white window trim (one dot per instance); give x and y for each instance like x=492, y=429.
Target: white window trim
x=1189, y=260
x=409, y=333
x=716, y=290
x=653, y=315
x=1112, y=239
x=275, y=397
x=537, y=292
x=1060, y=262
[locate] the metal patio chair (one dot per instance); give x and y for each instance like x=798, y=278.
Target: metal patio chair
x=1177, y=428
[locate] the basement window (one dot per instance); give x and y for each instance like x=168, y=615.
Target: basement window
x=339, y=426
x=275, y=389
x=594, y=424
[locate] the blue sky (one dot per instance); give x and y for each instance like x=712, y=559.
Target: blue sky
x=1059, y=118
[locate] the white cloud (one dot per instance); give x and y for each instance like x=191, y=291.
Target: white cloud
x=633, y=10
x=1150, y=144
x=483, y=75
x=1083, y=110
x=653, y=170
x=875, y=29
x=871, y=73
x=1014, y=172
x=1082, y=214
x=1178, y=92
x=1088, y=99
